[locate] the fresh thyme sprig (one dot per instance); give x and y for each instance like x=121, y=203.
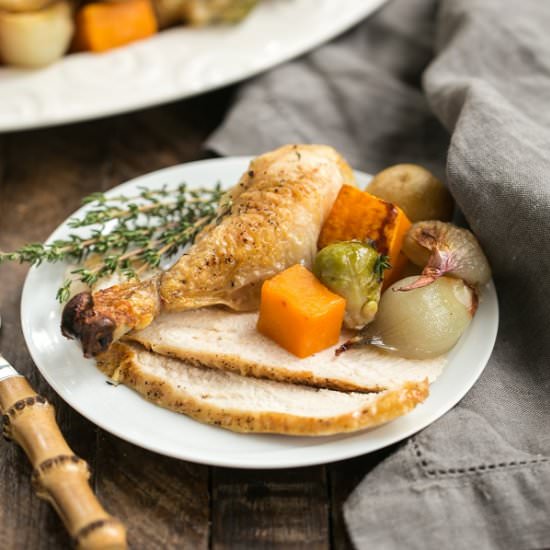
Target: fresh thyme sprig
x=128, y=235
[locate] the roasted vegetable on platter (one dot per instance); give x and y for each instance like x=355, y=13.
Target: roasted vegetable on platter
x=415, y=190
x=355, y=271
x=420, y=324
x=410, y=320
x=35, y=33
x=357, y=215
x=299, y=313
x=36, y=38
x=102, y=26
x=442, y=248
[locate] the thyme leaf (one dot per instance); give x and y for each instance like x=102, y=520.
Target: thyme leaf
x=128, y=235
x=382, y=263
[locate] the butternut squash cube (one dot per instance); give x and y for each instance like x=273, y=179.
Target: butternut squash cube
x=102, y=26
x=358, y=215
x=300, y=313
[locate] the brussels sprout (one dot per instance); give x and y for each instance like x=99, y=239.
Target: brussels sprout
x=353, y=270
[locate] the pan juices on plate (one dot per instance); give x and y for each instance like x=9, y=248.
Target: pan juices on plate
x=290, y=312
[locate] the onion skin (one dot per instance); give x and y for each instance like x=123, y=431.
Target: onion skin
x=420, y=324
x=445, y=249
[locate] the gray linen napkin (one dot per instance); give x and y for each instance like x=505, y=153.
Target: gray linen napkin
x=480, y=476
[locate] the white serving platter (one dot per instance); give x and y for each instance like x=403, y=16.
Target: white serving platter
x=174, y=64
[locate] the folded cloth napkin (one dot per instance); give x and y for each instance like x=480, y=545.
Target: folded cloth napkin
x=462, y=85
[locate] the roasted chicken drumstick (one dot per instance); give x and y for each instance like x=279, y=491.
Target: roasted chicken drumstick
x=277, y=210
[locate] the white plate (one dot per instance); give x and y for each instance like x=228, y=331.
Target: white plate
x=124, y=413
x=173, y=64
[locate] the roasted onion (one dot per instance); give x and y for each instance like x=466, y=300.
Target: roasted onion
x=423, y=323
x=37, y=38
x=445, y=249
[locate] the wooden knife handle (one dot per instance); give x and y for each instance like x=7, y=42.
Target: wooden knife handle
x=59, y=475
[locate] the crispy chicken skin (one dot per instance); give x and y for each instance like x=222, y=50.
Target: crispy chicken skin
x=276, y=213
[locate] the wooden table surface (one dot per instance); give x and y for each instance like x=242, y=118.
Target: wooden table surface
x=165, y=503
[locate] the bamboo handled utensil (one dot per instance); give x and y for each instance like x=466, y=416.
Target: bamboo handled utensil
x=59, y=476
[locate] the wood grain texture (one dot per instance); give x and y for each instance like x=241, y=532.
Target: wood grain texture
x=165, y=503
x=277, y=509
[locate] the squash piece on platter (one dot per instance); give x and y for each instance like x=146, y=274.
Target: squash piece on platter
x=358, y=215
x=102, y=26
x=300, y=313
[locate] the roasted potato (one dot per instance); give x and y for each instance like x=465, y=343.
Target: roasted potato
x=415, y=190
